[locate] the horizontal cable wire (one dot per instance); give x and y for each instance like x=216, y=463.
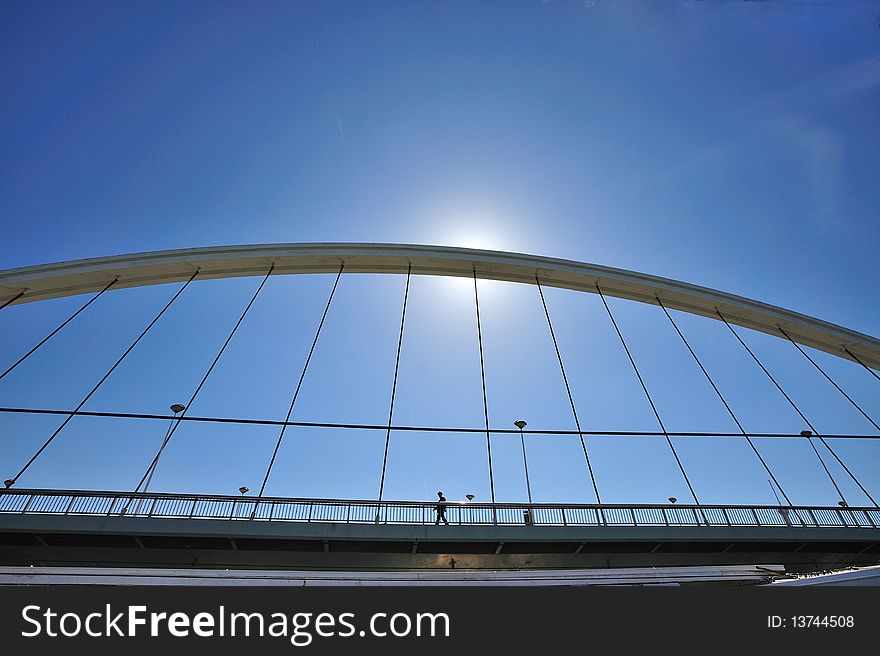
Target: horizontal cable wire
x=423, y=429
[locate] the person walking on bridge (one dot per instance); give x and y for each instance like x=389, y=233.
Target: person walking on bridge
x=441, y=510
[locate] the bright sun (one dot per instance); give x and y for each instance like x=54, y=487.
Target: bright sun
x=474, y=238
x=473, y=233
x=478, y=234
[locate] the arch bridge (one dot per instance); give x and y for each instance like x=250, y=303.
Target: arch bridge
x=139, y=527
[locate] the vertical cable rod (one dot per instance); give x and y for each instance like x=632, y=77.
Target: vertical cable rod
x=11, y=481
x=829, y=378
x=394, y=383
x=723, y=400
x=577, y=422
x=188, y=405
x=483, y=379
x=798, y=410
x=632, y=361
x=60, y=326
x=300, y=382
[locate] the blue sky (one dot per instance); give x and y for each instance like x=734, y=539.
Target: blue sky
x=728, y=144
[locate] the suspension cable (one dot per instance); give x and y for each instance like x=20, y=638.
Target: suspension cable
x=802, y=416
x=300, y=382
x=186, y=408
x=829, y=378
x=394, y=383
x=648, y=396
x=483, y=379
x=723, y=401
x=53, y=333
x=577, y=422
x=867, y=368
x=813, y=430
x=13, y=299
x=11, y=481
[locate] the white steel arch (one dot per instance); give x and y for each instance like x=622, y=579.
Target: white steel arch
x=47, y=281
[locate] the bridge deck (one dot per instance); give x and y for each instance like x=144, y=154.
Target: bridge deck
x=108, y=528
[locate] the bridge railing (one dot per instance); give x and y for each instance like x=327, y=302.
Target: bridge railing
x=279, y=509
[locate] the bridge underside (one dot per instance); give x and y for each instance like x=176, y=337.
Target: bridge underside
x=47, y=540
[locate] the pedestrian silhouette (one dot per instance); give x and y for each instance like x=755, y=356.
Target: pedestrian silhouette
x=441, y=509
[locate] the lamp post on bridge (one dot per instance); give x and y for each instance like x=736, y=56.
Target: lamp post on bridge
x=176, y=408
x=520, y=423
x=527, y=514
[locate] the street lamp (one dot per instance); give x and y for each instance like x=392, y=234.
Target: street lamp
x=469, y=497
x=244, y=489
x=672, y=499
x=520, y=423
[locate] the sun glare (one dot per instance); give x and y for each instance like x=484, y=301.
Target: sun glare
x=479, y=239
x=473, y=231
x=480, y=230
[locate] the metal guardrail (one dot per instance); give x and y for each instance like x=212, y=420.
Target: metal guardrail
x=279, y=509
